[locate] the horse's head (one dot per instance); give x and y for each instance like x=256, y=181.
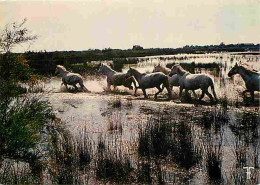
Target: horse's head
x=157, y=68
x=176, y=69
x=129, y=72
x=104, y=68
x=234, y=70
x=101, y=68
x=57, y=70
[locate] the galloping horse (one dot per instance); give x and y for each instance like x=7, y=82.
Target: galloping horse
x=117, y=79
x=151, y=80
x=69, y=78
x=251, y=78
x=173, y=80
x=190, y=81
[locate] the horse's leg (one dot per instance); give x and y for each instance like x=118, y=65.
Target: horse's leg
x=160, y=90
x=209, y=95
x=244, y=92
x=66, y=86
x=214, y=92
x=169, y=93
x=83, y=87
x=115, y=87
x=108, y=87
x=202, y=95
x=252, y=96
x=135, y=86
x=76, y=88
x=195, y=95
x=180, y=94
x=186, y=93
x=145, y=96
x=166, y=84
x=135, y=91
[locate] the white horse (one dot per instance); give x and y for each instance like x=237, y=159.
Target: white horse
x=251, y=78
x=117, y=79
x=190, y=81
x=173, y=80
x=69, y=78
x=150, y=81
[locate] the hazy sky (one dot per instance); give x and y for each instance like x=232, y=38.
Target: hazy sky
x=90, y=24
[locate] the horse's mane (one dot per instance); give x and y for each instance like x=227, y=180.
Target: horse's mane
x=108, y=66
x=182, y=71
x=162, y=66
x=247, y=69
x=61, y=67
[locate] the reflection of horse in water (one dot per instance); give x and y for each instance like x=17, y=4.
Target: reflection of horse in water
x=117, y=79
x=69, y=78
x=151, y=80
x=190, y=81
x=251, y=78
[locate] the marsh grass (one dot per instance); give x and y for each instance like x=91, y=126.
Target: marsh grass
x=116, y=102
x=213, y=152
x=144, y=172
x=112, y=165
x=84, y=149
x=246, y=128
x=214, y=163
x=115, y=122
x=214, y=119
x=161, y=138
x=129, y=103
x=14, y=172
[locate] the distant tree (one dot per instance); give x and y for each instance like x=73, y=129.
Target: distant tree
x=137, y=47
x=222, y=44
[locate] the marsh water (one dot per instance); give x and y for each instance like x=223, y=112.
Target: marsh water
x=226, y=136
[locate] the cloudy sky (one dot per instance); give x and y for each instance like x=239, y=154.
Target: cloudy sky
x=91, y=24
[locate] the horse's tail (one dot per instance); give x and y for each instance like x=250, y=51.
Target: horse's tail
x=213, y=90
x=83, y=86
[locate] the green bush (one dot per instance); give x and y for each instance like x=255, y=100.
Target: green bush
x=29, y=131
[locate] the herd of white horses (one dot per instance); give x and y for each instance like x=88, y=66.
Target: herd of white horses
x=163, y=77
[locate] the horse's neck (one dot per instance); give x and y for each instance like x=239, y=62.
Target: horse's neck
x=243, y=74
x=166, y=70
x=183, y=75
x=109, y=72
x=183, y=72
x=137, y=75
x=64, y=73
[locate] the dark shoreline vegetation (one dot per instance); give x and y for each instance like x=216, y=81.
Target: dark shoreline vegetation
x=45, y=63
